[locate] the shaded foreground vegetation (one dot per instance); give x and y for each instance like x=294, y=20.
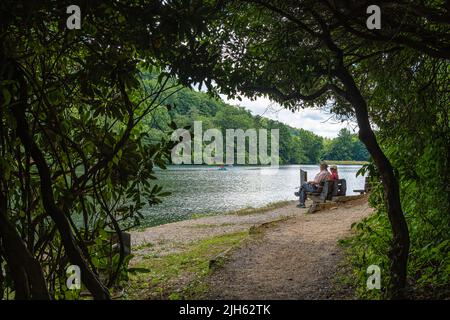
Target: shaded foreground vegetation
x=77, y=158
x=394, y=83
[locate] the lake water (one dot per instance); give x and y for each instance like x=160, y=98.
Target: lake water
x=204, y=189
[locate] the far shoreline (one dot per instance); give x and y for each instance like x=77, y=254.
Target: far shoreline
x=214, y=165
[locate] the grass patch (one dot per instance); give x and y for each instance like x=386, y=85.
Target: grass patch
x=202, y=215
x=268, y=207
x=204, y=226
x=178, y=275
x=244, y=211
x=260, y=229
x=145, y=245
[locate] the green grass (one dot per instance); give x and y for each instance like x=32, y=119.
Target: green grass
x=178, y=275
x=244, y=211
x=202, y=226
x=181, y=275
x=202, y=215
x=143, y=246
x=268, y=207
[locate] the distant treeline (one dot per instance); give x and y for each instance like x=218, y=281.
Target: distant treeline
x=296, y=145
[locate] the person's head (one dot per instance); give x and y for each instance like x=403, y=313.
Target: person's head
x=323, y=166
x=333, y=168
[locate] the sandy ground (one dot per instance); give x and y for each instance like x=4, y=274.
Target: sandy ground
x=296, y=259
x=173, y=237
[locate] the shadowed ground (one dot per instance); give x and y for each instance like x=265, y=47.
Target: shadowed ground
x=295, y=259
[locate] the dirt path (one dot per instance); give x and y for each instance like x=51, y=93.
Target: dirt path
x=295, y=259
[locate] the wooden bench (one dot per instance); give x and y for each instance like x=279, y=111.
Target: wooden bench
x=367, y=187
x=326, y=191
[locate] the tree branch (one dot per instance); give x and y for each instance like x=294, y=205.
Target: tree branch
x=73, y=251
x=288, y=97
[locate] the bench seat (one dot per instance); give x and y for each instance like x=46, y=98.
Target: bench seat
x=326, y=191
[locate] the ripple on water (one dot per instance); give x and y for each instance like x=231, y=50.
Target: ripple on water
x=204, y=189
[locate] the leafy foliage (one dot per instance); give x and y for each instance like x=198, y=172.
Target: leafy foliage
x=320, y=54
x=76, y=158
x=345, y=146
x=76, y=163
x=417, y=143
x=296, y=145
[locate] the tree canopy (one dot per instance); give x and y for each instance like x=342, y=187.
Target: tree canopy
x=297, y=146
x=77, y=158
x=75, y=166
x=344, y=147
x=320, y=54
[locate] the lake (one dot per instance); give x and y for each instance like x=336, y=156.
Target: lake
x=206, y=189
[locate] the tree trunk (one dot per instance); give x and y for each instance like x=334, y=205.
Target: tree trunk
x=29, y=281
x=400, y=245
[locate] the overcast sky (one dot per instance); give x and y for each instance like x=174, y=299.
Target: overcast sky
x=313, y=120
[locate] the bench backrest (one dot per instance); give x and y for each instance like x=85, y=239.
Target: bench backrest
x=339, y=187
x=333, y=188
x=303, y=177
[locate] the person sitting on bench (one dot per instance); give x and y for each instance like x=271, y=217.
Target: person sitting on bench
x=312, y=186
x=334, y=173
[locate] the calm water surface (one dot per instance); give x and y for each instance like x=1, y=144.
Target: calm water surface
x=204, y=189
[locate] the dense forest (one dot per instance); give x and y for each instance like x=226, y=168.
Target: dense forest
x=297, y=146
x=78, y=156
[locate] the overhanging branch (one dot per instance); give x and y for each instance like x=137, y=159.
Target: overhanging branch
x=274, y=91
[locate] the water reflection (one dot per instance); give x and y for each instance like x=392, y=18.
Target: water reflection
x=203, y=189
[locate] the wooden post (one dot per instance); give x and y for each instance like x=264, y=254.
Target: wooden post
x=303, y=177
x=343, y=187
x=335, y=188
x=126, y=237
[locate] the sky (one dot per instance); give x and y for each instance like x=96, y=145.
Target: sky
x=317, y=121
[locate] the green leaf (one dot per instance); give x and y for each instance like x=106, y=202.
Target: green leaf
x=6, y=97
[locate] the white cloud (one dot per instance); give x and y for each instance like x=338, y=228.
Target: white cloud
x=317, y=121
